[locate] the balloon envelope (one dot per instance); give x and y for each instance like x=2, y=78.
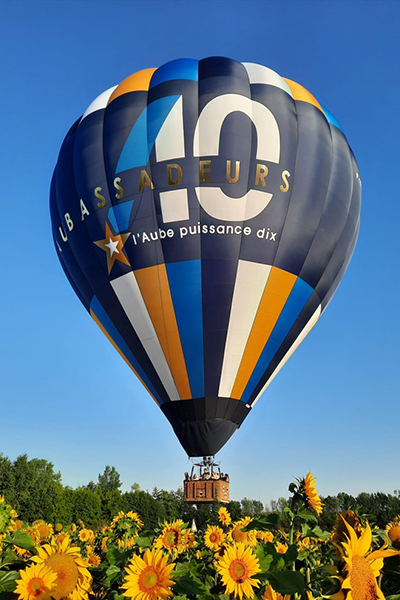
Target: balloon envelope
x=205, y=212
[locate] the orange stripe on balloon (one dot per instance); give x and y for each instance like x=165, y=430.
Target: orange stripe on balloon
x=154, y=287
x=300, y=93
x=275, y=295
x=96, y=320
x=139, y=81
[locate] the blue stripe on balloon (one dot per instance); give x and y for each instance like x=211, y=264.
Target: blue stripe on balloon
x=114, y=334
x=119, y=216
x=134, y=153
x=141, y=139
x=294, y=305
x=331, y=119
x=157, y=112
x=181, y=68
x=185, y=285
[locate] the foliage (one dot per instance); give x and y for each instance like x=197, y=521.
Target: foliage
x=288, y=552
x=295, y=548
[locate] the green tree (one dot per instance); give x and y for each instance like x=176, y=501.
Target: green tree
x=252, y=508
x=148, y=508
x=109, y=481
x=36, y=488
x=331, y=509
x=7, y=480
x=235, y=510
x=171, y=501
x=86, y=506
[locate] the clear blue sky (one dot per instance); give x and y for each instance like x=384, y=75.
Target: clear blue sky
x=65, y=393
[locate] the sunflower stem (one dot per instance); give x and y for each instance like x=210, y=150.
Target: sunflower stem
x=293, y=505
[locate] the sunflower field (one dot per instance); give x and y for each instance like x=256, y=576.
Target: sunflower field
x=247, y=558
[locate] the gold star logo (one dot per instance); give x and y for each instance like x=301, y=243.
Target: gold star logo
x=112, y=246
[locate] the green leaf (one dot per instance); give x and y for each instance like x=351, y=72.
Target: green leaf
x=318, y=533
x=287, y=582
x=264, y=523
x=307, y=515
x=115, y=557
x=288, y=511
x=181, y=569
x=8, y=558
x=143, y=542
x=7, y=580
x=22, y=540
x=291, y=554
x=395, y=597
x=189, y=585
x=112, y=573
x=265, y=562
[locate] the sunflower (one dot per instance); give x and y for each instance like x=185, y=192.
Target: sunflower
x=126, y=520
x=271, y=594
x=188, y=540
x=86, y=535
x=339, y=533
x=224, y=516
x=309, y=493
x=73, y=579
x=135, y=517
x=60, y=537
x=7, y=516
x=93, y=560
x=393, y=531
x=117, y=518
x=21, y=551
x=171, y=537
x=148, y=577
x=243, y=537
x=43, y=529
x=214, y=537
x=362, y=568
x=308, y=544
x=36, y=583
x=236, y=567
x=265, y=536
x=281, y=548
x=104, y=543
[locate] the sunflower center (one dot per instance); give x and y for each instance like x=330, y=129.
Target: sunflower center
x=148, y=579
x=238, y=570
x=67, y=574
x=36, y=586
x=238, y=535
x=213, y=537
x=362, y=580
x=171, y=538
x=43, y=530
x=394, y=534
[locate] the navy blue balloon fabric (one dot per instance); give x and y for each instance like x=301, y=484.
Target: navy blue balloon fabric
x=204, y=213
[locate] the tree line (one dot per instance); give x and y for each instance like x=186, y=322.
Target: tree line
x=35, y=491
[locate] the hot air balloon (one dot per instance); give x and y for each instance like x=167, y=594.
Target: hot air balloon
x=204, y=213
